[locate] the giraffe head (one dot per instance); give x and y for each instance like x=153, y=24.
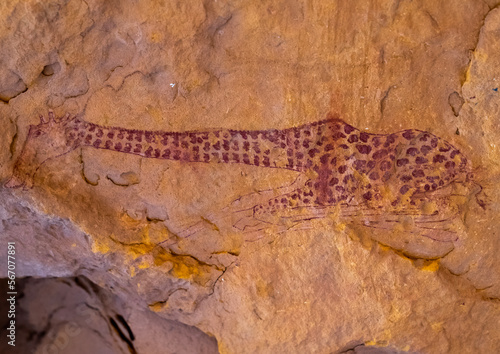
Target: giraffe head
x=46, y=140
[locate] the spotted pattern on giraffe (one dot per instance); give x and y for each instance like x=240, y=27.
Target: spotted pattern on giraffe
x=348, y=165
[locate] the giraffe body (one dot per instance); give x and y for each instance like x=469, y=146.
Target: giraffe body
x=345, y=164
x=380, y=180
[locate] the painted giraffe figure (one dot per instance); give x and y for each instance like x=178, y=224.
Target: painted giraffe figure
x=396, y=173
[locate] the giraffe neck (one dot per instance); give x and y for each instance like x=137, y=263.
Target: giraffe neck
x=265, y=148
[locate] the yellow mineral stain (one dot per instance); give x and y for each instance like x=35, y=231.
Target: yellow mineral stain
x=156, y=37
x=144, y=265
x=183, y=267
x=143, y=247
x=353, y=234
x=100, y=247
x=334, y=214
x=214, y=226
x=481, y=56
x=145, y=234
x=138, y=250
x=387, y=194
x=398, y=227
x=293, y=203
x=155, y=113
x=384, y=247
x=183, y=271
x=407, y=222
x=157, y=306
x=366, y=241
x=73, y=245
x=192, y=84
x=396, y=314
x=132, y=271
x=437, y=326
x=361, y=178
x=430, y=266
x=223, y=349
x=310, y=110
x=428, y=207
x=467, y=74
x=311, y=174
x=406, y=198
x=161, y=256
x=263, y=288
x=129, y=221
x=375, y=342
x=380, y=342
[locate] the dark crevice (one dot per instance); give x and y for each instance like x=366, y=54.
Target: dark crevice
x=384, y=99
x=163, y=302
x=492, y=298
x=222, y=22
x=127, y=327
x=155, y=219
x=122, y=336
x=413, y=258
x=360, y=347
x=83, y=93
x=81, y=284
x=51, y=69
x=129, y=244
x=48, y=323
x=196, y=260
x=232, y=253
x=112, y=71
x=82, y=171
x=125, y=179
x=95, y=288
x=123, y=80
x=86, y=30
x=13, y=143
x=465, y=284
x=6, y=99
x=351, y=346
x=65, y=281
x=456, y=102
x=220, y=276
x=434, y=23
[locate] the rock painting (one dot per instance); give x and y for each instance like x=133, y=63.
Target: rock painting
x=406, y=179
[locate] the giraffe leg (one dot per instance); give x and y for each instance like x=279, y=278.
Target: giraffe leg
x=437, y=227
x=414, y=230
x=240, y=214
x=294, y=210
x=433, y=216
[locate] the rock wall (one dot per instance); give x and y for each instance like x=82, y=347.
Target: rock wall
x=160, y=237
x=73, y=315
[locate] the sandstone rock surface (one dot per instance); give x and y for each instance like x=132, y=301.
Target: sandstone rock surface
x=108, y=229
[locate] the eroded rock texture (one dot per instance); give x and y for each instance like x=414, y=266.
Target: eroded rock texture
x=73, y=315
x=282, y=176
